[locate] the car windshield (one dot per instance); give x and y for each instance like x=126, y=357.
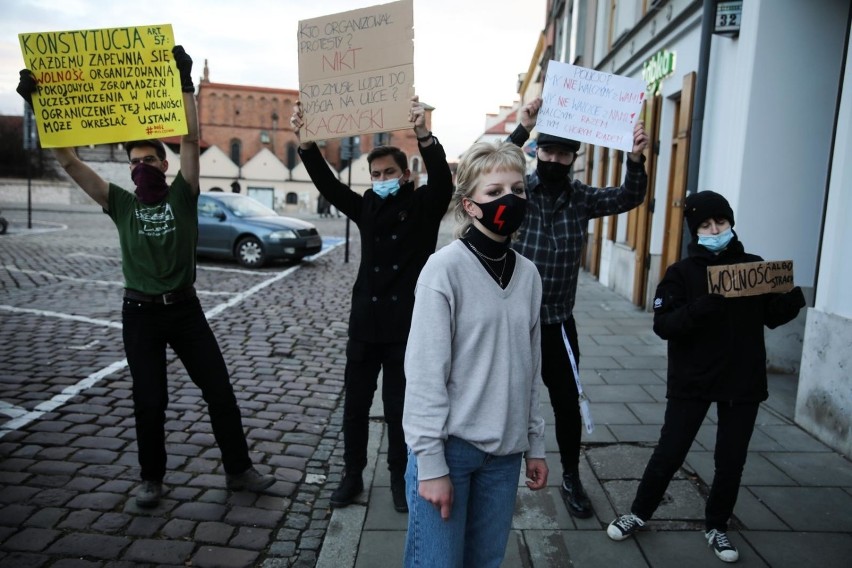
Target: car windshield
x=246, y=207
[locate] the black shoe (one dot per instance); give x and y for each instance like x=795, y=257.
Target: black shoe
x=149, y=494
x=398, y=492
x=249, y=480
x=348, y=489
x=575, y=497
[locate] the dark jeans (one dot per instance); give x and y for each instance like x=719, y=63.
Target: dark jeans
x=148, y=329
x=735, y=424
x=558, y=377
x=363, y=361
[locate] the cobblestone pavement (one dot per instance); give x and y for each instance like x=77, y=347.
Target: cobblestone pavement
x=67, y=442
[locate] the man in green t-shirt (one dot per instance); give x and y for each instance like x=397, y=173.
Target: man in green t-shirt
x=158, y=229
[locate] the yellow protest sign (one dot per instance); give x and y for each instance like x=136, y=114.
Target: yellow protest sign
x=356, y=71
x=104, y=85
x=750, y=278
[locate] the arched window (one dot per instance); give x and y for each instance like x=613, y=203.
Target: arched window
x=291, y=198
x=236, y=150
x=415, y=164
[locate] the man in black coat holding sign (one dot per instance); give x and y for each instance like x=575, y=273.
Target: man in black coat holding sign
x=399, y=230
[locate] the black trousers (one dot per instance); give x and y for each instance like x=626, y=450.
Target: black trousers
x=558, y=377
x=147, y=329
x=735, y=424
x=363, y=362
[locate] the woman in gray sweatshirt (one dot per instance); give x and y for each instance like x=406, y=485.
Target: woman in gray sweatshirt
x=473, y=368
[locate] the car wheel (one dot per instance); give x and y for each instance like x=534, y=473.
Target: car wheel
x=250, y=253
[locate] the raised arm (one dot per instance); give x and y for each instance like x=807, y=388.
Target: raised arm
x=90, y=182
x=94, y=185
x=189, y=147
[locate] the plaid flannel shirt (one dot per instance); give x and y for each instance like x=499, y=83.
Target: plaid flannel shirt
x=555, y=227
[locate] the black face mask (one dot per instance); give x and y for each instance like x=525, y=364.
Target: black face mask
x=503, y=216
x=552, y=171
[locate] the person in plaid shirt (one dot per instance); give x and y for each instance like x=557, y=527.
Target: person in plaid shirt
x=558, y=212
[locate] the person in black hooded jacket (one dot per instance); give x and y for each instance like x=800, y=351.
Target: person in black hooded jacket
x=716, y=353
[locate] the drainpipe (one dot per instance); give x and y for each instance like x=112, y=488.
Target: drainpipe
x=708, y=17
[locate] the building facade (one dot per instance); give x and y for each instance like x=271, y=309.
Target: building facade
x=745, y=98
x=254, y=150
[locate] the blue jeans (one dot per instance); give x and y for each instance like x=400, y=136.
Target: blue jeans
x=147, y=329
x=475, y=535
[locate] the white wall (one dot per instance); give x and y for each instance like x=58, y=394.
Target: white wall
x=824, y=400
x=792, y=101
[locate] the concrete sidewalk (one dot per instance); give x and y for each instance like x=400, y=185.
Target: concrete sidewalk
x=795, y=503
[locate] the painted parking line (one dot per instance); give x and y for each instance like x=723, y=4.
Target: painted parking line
x=70, y=391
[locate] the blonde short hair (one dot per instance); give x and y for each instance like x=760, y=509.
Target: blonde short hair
x=478, y=160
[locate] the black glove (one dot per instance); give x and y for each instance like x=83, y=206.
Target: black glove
x=707, y=305
x=794, y=299
x=184, y=66
x=27, y=86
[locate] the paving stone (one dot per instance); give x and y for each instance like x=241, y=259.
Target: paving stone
x=31, y=540
x=25, y=560
x=213, y=533
x=90, y=545
x=169, y=552
x=210, y=557
x=253, y=517
x=200, y=511
x=251, y=538
x=144, y=526
x=15, y=515
x=179, y=528
x=97, y=501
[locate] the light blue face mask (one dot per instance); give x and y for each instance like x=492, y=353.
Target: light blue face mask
x=716, y=243
x=386, y=187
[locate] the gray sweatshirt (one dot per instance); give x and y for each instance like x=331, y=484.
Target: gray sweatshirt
x=473, y=361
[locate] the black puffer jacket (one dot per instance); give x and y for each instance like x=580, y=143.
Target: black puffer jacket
x=716, y=348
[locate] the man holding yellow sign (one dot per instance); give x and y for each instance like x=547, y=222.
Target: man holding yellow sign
x=158, y=230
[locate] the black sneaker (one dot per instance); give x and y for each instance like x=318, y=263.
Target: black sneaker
x=398, y=492
x=149, y=494
x=725, y=551
x=624, y=526
x=348, y=489
x=575, y=497
x=249, y=480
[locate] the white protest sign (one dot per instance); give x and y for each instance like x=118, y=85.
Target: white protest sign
x=590, y=106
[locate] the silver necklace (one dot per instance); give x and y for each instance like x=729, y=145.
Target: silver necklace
x=499, y=277
x=474, y=249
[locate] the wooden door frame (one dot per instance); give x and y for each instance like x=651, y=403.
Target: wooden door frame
x=644, y=213
x=678, y=175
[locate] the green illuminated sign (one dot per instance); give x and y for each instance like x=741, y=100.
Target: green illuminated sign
x=657, y=68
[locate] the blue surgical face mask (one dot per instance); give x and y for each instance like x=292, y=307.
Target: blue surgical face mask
x=386, y=187
x=716, y=243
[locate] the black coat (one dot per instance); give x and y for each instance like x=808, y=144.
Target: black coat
x=716, y=351
x=397, y=236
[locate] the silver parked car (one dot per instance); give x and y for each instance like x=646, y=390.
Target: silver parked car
x=235, y=226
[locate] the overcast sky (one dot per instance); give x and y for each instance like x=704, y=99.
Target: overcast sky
x=467, y=53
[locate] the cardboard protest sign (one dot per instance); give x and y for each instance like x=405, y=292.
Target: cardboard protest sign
x=104, y=85
x=356, y=71
x=590, y=106
x=750, y=278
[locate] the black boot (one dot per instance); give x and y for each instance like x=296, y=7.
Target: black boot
x=349, y=488
x=575, y=496
x=398, y=493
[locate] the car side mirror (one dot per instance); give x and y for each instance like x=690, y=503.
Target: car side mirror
x=219, y=215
